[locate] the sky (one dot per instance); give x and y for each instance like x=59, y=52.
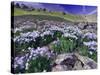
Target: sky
x=71, y=9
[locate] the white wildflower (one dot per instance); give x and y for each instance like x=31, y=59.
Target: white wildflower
x=69, y=35
x=90, y=35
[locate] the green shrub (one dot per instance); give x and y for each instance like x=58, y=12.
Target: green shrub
x=19, y=47
x=86, y=39
x=46, y=39
x=39, y=65
x=64, y=45
x=83, y=50
x=93, y=56
x=57, y=34
x=17, y=33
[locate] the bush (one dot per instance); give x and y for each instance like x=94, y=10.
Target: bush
x=86, y=39
x=19, y=47
x=46, y=39
x=39, y=65
x=93, y=56
x=38, y=41
x=17, y=33
x=64, y=45
x=83, y=50
x=63, y=13
x=57, y=34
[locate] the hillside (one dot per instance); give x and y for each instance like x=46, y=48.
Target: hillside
x=68, y=17
x=91, y=18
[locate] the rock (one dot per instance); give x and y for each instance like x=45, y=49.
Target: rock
x=59, y=68
x=73, y=61
x=81, y=25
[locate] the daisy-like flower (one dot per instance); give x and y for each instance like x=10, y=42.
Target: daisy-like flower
x=90, y=43
x=90, y=35
x=46, y=33
x=69, y=35
x=90, y=52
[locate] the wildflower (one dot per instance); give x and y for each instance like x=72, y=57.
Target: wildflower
x=46, y=33
x=90, y=35
x=69, y=35
x=27, y=66
x=90, y=52
x=90, y=43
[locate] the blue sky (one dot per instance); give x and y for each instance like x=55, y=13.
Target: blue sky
x=72, y=9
